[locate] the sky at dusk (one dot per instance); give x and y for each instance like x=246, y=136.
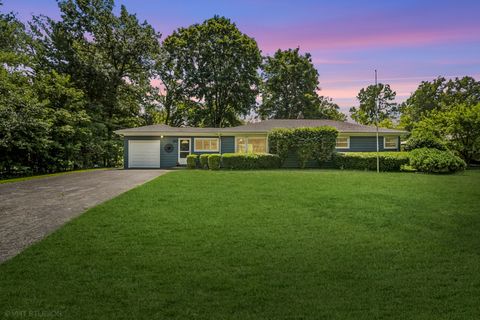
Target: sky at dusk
x=407, y=41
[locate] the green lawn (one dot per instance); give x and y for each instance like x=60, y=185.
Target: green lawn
x=262, y=245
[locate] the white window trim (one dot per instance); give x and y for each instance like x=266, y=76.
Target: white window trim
x=348, y=142
x=390, y=148
x=246, y=141
x=203, y=150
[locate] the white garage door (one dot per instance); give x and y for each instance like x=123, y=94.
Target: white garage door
x=144, y=154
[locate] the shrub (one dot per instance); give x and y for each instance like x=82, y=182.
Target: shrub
x=435, y=161
x=389, y=161
x=250, y=161
x=407, y=168
x=308, y=143
x=214, y=161
x=422, y=139
x=204, y=161
x=280, y=142
x=192, y=160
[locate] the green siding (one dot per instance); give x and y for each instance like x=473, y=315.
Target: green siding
x=228, y=144
x=168, y=160
x=366, y=144
x=357, y=144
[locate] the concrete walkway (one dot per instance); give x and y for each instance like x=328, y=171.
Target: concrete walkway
x=32, y=209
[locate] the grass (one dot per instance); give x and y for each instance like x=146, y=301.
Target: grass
x=45, y=175
x=262, y=245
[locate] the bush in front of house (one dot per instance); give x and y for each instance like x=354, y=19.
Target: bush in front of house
x=214, y=161
x=247, y=161
x=432, y=160
x=389, y=161
x=192, y=160
x=204, y=161
x=316, y=143
x=421, y=139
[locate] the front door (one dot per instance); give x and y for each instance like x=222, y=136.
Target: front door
x=183, y=150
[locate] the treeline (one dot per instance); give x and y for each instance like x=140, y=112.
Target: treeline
x=67, y=85
x=438, y=114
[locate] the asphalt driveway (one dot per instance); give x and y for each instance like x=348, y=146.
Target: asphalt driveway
x=32, y=209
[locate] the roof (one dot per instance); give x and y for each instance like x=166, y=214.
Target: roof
x=259, y=127
x=341, y=126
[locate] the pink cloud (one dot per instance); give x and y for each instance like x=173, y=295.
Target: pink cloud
x=451, y=61
x=270, y=40
x=318, y=61
x=345, y=93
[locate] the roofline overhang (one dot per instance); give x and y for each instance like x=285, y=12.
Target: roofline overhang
x=233, y=133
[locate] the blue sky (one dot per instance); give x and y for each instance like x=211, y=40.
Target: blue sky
x=407, y=41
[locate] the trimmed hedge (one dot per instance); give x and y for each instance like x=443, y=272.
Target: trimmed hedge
x=204, y=161
x=192, y=160
x=250, y=161
x=214, y=161
x=389, y=161
x=435, y=161
x=316, y=143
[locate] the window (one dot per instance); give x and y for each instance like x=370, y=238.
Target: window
x=343, y=143
x=241, y=145
x=251, y=145
x=206, y=144
x=390, y=142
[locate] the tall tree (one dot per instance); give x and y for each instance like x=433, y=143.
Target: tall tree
x=13, y=41
x=327, y=109
x=24, y=126
x=290, y=84
x=438, y=94
x=41, y=114
x=69, y=132
x=109, y=57
x=23, y=131
x=212, y=73
x=366, y=113
x=458, y=126
x=177, y=107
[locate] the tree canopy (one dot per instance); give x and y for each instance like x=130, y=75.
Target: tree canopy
x=458, y=126
x=43, y=124
x=109, y=57
x=439, y=94
x=210, y=72
x=366, y=113
x=66, y=85
x=289, y=89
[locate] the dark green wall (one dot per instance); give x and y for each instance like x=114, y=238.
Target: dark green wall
x=169, y=159
x=228, y=144
x=357, y=144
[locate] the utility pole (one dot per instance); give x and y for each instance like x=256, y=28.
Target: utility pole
x=376, y=120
